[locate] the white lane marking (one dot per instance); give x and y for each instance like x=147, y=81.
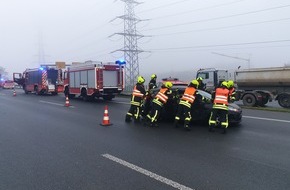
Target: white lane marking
x=53, y=103
x=146, y=172
x=268, y=119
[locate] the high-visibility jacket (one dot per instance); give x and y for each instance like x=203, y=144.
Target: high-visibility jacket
x=221, y=98
x=161, y=97
x=138, y=94
x=189, y=94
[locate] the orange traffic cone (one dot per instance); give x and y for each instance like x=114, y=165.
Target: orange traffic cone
x=106, y=120
x=14, y=93
x=67, y=104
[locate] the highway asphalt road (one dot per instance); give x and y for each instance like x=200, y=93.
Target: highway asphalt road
x=45, y=145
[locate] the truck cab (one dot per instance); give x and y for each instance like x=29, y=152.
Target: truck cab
x=212, y=77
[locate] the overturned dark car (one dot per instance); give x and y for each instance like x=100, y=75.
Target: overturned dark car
x=201, y=108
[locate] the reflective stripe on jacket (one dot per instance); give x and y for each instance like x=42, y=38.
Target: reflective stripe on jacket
x=137, y=93
x=189, y=94
x=161, y=96
x=221, y=96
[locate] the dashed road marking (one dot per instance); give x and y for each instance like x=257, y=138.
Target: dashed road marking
x=147, y=173
x=268, y=119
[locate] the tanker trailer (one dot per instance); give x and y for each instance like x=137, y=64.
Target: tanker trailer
x=275, y=80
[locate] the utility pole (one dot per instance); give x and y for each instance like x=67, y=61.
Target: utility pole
x=235, y=57
x=130, y=49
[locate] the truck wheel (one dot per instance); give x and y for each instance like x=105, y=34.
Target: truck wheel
x=84, y=95
x=249, y=100
x=25, y=90
x=36, y=90
x=284, y=101
x=265, y=100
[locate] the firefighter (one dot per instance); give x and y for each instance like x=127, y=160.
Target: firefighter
x=136, y=100
x=152, y=83
x=201, y=85
x=159, y=100
x=146, y=106
x=220, y=107
x=232, y=90
x=185, y=103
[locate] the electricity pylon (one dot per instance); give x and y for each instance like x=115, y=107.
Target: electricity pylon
x=131, y=37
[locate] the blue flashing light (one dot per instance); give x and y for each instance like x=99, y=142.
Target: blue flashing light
x=2, y=79
x=41, y=68
x=120, y=62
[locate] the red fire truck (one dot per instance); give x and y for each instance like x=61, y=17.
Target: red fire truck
x=41, y=80
x=93, y=79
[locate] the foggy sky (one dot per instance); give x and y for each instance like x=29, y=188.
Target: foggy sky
x=185, y=35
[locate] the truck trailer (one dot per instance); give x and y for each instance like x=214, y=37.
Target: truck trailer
x=93, y=79
x=255, y=86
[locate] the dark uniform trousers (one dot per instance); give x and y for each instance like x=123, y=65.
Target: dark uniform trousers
x=183, y=111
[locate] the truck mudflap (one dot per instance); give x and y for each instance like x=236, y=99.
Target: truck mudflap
x=266, y=97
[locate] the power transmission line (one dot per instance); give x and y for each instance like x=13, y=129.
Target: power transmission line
x=200, y=9
x=167, y=5
x=224, y=27
x=229, y=48
x=218, y=18
x=221, y=45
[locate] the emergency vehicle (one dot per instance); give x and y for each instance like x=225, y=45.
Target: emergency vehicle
x=41, y=80
x=8, y=84
x=93, y=79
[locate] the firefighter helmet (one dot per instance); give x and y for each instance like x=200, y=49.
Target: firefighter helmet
x=199, y=78
x=225, y=84
x=140, y=80
x=230, y=83
x=168, y=84
x=194, y=83
x=154, y=76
